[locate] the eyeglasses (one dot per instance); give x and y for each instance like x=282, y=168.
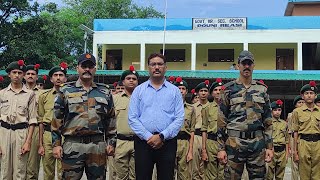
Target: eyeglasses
x=153, y=65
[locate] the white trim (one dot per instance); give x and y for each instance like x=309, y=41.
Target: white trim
x=142, y=56
x=95, y=54
x=193, y=56
x=299, y=55
x=246, y=46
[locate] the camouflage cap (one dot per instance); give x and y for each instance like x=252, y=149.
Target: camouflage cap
x=245, y=55
x=180, y=82
x=312, y=86
x=87, y=57
x=16, y=65
x=276, y=104
x=296, y=99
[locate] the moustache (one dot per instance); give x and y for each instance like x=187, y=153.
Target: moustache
x=86, y=73
x=157, y=71
x=247, y=70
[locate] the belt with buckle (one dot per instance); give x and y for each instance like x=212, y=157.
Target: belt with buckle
x=85, y=139
x=212, y=136
x=183, y=136
x=279, y=148
x=125, y=137
x=14, y=127
x=244, y=134
x=198, y=132
x=310, y=137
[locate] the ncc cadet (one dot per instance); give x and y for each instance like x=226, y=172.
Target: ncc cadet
x=277, y=166
x=124, y=151
x=82, y=113
x=245, y=124
x=213, y=169
x=18, y=118
x=194, y=96
x=317, y=100
x=185, y=136
x=57, y=76
x=306, y=127
x=33, y=165
x=119, y=87
x=297, y=102
x=202, y=89
x=41, y=81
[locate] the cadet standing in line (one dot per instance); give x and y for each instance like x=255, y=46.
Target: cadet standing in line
x=317, y=100
x=18, y=116
x=297, y=102
x=280, y=135
x=202, y=89
x=213, y=169
x=34, y=158
x=82, y=113
x=41, y=81
x=124, y=151
x=185, y=136
x=306, y=129
x=245, y=124
x=194, y=96
x=57, y=76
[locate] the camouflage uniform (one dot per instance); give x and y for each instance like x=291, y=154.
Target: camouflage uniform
x=277, y=166
x=82, y=117
x=306, y=123
x=183, y=167
x=197, y=164
x=245, y=128
x=213, y=169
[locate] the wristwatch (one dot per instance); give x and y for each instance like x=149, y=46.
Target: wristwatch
x=161, y=137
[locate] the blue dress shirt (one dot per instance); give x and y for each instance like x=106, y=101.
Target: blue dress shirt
x=156, y=111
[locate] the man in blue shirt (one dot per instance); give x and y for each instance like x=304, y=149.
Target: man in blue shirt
x=156, y=114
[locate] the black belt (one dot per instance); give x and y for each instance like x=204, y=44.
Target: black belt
x=183, y=136
x=198, y=132
x=212, y=136
x=47, y=127
x=245, y=134
x=279, y=148
x=125, y=137
x=85, y=139
x=14, y=127
x=310, y=137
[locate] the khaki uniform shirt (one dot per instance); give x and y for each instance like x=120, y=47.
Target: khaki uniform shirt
x=18, y=107
x=210, y=118
x=45, y=107
x=198, y=106
x=189, y=119
x=305, y=121
x=121, y=106
x=280, y=133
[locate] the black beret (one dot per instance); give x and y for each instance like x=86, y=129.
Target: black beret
x=16, y=65
x=215, y=84
x=33, y=67
x=180, y=82
x=312, y=86
x=276, y=104
x=201, y=85
x=128, y=72
x=63, y=68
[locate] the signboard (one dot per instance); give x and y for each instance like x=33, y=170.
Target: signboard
x=219, y=23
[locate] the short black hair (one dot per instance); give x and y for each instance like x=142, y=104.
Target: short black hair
x=153, y=55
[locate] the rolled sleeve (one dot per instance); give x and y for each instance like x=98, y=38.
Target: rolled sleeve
x=33, y=109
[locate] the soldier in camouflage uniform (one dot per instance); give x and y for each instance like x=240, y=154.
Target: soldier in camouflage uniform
x=124, y=151
x=297, y=102
x=277, y=166
x=213, y=169
x=57, y=76
x=202, y=89
x=185, y=136
x=245, y=124
x=33, y=165
x=306, y=127
x=82, y=113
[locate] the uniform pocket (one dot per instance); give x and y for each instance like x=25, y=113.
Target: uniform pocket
x=101, y=104
x=4, y=108
x=75, y=104
x=22, y=110
x=258, y=103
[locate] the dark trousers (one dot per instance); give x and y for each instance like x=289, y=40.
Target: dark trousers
x=146, y=157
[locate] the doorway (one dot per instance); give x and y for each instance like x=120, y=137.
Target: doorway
x=114, y=59
x=285, y=59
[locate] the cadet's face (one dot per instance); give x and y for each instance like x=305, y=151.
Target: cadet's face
x=246, y=68
x=119, y=89
x=203, y=93
x=309, y=96
x=31, y=76
x=157, y=67
x=318, y=103
x=276, y=113
x=216, y=92
x=16, y=76
x=195, y=99
x=183, y=91
x=130, y=81
x=40, y=86
x=86, y=70
x=300, y=103
x=58, y=78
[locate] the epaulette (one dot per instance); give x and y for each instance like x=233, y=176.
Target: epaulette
x=68, y=83
x=260, y=83
x=189, y=105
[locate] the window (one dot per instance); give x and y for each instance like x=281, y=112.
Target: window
x=220, y=55
x=175, y=55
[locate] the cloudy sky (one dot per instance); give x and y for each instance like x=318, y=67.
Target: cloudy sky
x=213, y=8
